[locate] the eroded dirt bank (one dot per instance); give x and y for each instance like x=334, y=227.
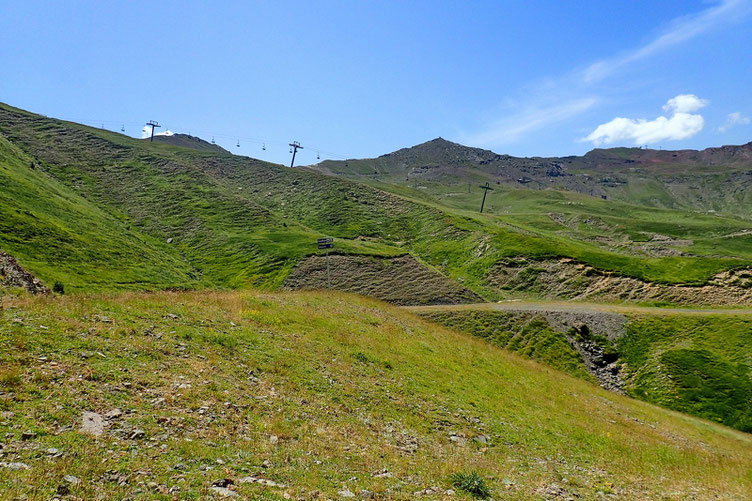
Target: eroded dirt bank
x=565, y=278
x=400, y=280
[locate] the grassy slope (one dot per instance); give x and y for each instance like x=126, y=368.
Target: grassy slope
x=238, y=222
x=347, y=386
x=526, y=334
x=222, y=236
x=522, y=225
x=698, y=364
x=65, y=237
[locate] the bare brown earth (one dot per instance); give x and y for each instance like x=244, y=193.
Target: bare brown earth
x=400, y=280
x=568, y=279
x=12, y=275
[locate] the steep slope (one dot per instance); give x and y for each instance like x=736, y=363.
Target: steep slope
x=398, y=280
x=316, y=395
x=231, y=221
x=692, y=361
x=60, y=235
x=220, y=220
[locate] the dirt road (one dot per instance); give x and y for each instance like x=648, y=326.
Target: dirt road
x=572, y=307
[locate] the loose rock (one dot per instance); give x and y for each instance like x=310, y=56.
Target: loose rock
x=28, y=435
x=225, y=492
x=14, y=466
x=72, y=480
x=137, y=434
x=92, y=424
x=113, y=414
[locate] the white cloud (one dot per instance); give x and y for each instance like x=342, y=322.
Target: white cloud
x=733, y=119
x=146, y=133
x=684, y=103
x=533, y=118
x=680, y=30
x=564, y=97
x=682, y=124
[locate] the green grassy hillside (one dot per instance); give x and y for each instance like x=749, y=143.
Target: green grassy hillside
x=218, y=235
x=238, y=222
x=310, y=395
x=711, y=180
x=698, y=363
x=62, y=236
x=525, y=333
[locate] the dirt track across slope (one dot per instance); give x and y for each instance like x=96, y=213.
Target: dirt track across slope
x=563, y=306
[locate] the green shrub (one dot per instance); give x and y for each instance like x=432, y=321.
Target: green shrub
x=364, y=358
x=471, y=483
x=58, y=288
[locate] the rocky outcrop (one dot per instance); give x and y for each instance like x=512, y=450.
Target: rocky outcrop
x=12, y=275
x=600, y=359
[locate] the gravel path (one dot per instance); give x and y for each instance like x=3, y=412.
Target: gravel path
x=563, y=306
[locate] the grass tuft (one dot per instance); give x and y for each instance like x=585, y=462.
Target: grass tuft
x=472, y=483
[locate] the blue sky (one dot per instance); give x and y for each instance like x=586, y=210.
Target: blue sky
x=358, y=79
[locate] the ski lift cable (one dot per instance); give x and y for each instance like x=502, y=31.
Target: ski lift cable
x=261, y=141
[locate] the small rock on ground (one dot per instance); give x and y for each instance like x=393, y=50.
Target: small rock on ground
x=225, y=492
x=72, y=480
x=14, y=466
x=92, y=424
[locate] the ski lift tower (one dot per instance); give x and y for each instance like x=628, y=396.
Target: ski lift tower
x=294, y=147
x=152, y=124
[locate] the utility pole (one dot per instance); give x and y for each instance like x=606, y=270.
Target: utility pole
x=485, y=192
x=294, y=147
x=152, y=124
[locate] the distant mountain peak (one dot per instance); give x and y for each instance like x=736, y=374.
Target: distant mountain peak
x=440, y=150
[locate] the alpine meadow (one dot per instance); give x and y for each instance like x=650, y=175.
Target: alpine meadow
x=211, y=311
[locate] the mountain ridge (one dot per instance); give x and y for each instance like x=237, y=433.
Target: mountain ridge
x=717, y=179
